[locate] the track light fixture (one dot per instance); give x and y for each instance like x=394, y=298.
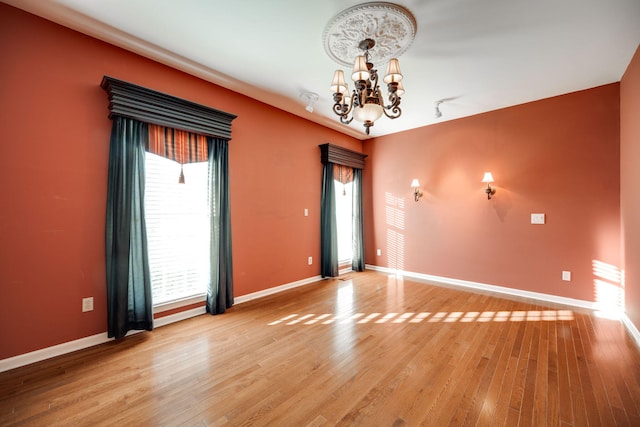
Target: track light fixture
x=310, y=98
x=438, y=113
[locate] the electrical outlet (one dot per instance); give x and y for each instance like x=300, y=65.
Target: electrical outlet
x=306, y=212
x=87, y=304
x=379, y=252
x=566, y=276
x=310, y=260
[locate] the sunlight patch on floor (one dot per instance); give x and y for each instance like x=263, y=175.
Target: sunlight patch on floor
x=441, y=316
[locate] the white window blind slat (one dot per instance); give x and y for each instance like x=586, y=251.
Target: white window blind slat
x=177, y=220
x=344, y=220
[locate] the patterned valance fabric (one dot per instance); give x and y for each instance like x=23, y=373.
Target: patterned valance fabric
x=343, y=174
x=181, y=146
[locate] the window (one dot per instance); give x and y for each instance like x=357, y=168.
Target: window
x=344, y=220
x=178, y=225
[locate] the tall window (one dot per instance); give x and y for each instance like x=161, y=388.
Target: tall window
x=135, y=111
x=178, y=228
x=341, y=225
x=344, y=220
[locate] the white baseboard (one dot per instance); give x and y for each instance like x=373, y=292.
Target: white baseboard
x=79, y=344
x=49, y=352
x=90, y=341
x=491, y=288
x=275, y=290
x=633, y=331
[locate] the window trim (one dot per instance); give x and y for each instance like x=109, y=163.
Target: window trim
x=179, y=303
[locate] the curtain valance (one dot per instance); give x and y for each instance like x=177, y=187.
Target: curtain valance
x=179, y=145
x=343, y=174
x=149, y=106
x=330, y=153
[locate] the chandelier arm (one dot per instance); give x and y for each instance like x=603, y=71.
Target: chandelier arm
x=394, y=113
x=393, y=110
x=359, y=94
x=340, y=108
x=344, y=120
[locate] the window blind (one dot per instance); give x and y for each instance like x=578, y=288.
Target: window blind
x=178, y=225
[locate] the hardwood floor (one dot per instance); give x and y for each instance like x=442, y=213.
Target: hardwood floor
x=368, y=349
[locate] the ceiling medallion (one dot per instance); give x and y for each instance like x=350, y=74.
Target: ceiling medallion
x=392, y=27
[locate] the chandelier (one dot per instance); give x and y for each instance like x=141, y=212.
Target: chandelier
x=353, y=33
x=366, y=103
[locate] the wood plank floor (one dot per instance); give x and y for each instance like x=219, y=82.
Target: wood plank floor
x=368, y=350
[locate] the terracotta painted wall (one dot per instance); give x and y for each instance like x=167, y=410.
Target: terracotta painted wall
x=558, y=156
x=53, y=180
x=630, y=184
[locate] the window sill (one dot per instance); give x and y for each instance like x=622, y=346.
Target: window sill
x=170, y=305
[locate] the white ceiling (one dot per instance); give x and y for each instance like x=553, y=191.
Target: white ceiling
x=477, y=55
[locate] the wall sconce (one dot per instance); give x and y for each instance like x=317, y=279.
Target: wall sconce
x=488, y=178
x=417, y=193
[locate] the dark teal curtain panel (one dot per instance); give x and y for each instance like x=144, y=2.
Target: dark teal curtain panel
x=220, y=290
x=358, y=222
x=129, y=305
x=328, y=227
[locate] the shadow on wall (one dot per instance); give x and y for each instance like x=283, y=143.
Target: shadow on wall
x=608, y=289
x=395, y=220
x=502, y=204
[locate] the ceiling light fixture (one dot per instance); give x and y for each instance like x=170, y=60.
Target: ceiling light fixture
x=365, y=104
x=354, y=33
x=310, y=98
x=438, y=113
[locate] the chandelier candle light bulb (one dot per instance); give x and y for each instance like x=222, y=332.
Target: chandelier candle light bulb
x=393, y=72
x=360, y=69
x=338, y=84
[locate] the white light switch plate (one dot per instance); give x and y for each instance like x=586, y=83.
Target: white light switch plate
x=537, y=218
x=566, y=276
